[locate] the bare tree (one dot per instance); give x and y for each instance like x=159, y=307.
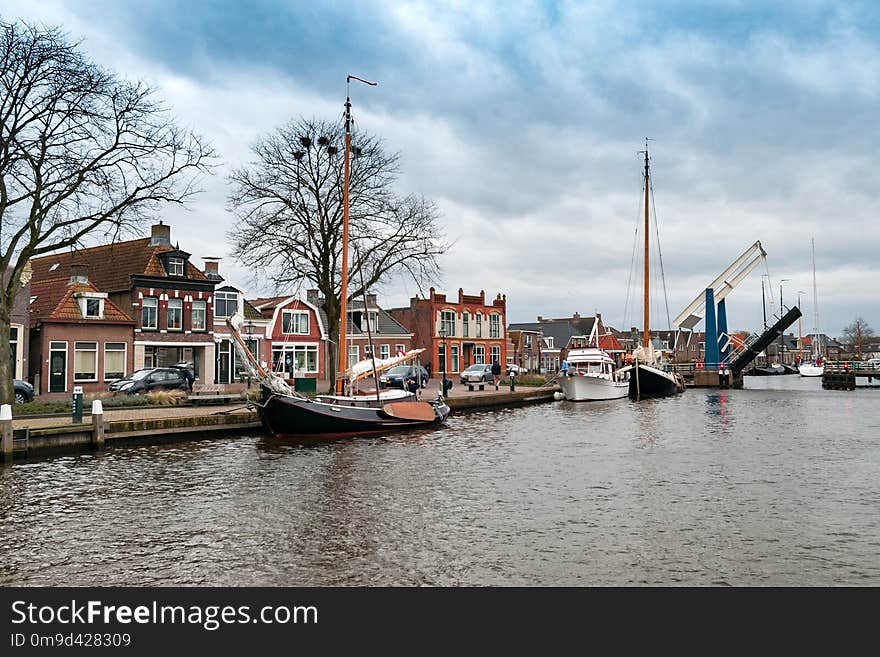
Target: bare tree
x=81, y=152
x=290, y=210
x=855, y=334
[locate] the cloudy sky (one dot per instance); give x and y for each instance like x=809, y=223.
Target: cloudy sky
x=523, y=122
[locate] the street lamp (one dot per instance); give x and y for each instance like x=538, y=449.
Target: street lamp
x=442, y=334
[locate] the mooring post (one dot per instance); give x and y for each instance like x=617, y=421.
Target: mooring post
x=6, y=431
x=98, y=424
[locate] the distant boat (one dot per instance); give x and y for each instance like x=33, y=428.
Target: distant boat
x=816, y=366
x=592, y=376
x=646, y=377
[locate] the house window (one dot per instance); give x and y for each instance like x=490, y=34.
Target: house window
x=399, y=349
x=495, y=354
x=441, y=357
x=225, y=304
x=294, y=322
x=447, y=322
x=199, y=315
x=114, y=360
x=385, y=351
x=175, y=314
x=353, y=354
x=93, y=308
x=494, y=326
x=291, y=358
x=479, y=319
x=85, y=361
x=479, y=354
x=453, y=358
x=150, y=313
x=175, y=266
x=528, y=341
x=465, y=325
x=549, y=343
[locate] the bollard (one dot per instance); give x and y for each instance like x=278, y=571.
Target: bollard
x=6, y=431
x=512, y=384
x=77, y=404
x=98, y=424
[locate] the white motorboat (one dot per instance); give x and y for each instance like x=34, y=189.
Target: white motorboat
x=592, y=376
x=816, y=366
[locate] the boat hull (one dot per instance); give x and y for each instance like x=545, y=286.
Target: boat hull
x=646, y=382
x=592, y=388
x=811, y=370
x=292, y=416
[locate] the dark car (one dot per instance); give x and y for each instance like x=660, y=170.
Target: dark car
x=481, y=373
x=24, y=391
x=151, y=378
x=397, y=375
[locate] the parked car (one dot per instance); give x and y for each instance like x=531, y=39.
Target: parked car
x=873, y=363
x=24, y=391
x=478, y=374
x=397, y=375
x=151, y=378
x=516, y=369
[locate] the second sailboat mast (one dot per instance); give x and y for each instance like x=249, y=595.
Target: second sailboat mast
x=647, y=338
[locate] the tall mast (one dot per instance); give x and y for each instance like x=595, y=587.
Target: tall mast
x=647, y=335
x=817, y=348
x=343, y=348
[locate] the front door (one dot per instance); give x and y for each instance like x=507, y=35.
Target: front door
x=223, y=364
x=57, y=371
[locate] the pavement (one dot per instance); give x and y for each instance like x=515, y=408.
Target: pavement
x=141, y=412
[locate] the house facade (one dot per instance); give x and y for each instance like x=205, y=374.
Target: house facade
x=457, y=333
x=155, y=285
x=79, y=337
x=294, y=338
x=558, y=336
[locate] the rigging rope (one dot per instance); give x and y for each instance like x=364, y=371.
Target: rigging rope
x=660, y=254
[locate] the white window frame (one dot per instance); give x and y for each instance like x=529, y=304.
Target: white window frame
x=479, y=319
x=155, y=306
x=465, y=324
x=454, y=362
x=353, y=354
x=124, y=360
x=479, y=354
x=447, y=322
x=399, y=348
x=178, y=306
x=295, y=348
x=226, y=297
x=296, y=322
x=385, y=351
x=175, y=264
x=76, y=350
x=495, y=325
x=494, y=353
x=199, y=304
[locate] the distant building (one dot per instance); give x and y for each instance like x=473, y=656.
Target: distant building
x=559, y=336
x=470, y=328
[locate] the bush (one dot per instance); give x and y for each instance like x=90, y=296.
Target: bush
x=166, y=397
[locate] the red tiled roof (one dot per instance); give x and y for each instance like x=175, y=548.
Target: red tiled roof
x=609, y=343
x=47, y=305
x=110, y=266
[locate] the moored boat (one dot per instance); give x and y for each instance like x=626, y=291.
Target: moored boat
x=592, y=375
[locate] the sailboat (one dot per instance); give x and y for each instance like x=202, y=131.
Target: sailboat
x=286, y=412
x=647, y=378
x=816, y=366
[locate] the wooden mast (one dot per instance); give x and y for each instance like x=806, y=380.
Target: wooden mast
x=344, y=293
x=342, y=347
x=647, y=335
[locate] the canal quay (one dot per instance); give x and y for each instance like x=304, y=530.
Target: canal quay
x=772, y=484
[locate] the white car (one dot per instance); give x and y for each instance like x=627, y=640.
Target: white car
x=516, y=369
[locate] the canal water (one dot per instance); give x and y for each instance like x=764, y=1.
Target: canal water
x=775, y=484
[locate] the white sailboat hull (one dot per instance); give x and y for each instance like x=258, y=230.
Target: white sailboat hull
x=592, y=388
x=809, y=369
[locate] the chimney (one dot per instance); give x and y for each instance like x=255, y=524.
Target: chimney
x=312, y=296
x=79, y=273
x=160, y=234
x=212, y=268
x=371, y=300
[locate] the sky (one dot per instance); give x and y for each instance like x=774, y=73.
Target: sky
x=523, y=122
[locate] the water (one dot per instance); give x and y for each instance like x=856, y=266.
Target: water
x=775, y=484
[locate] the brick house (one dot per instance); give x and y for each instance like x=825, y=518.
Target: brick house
x=153, y=283
x=474, y=330
x=79, y=337
x=296, y=333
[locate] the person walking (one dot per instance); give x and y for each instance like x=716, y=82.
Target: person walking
x=496, y=372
